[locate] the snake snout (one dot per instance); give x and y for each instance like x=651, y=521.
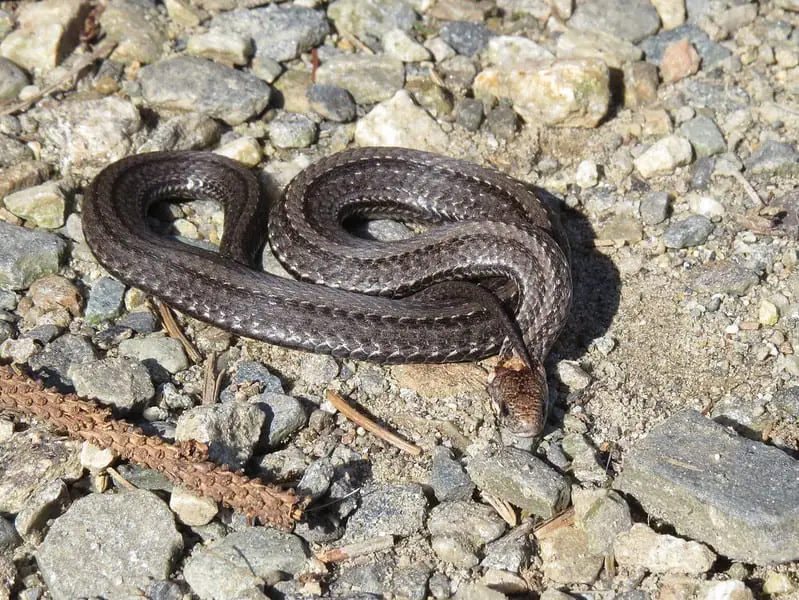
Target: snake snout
x=519, y=395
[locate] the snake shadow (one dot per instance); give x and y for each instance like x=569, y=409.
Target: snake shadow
x=596, y=283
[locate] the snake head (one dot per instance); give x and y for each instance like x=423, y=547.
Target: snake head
x=519, y=396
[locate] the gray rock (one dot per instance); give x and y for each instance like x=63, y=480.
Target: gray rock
x=317, y=478
x=509, y=553
x=715, y=96
x=410, y=582
x=739, y=496
x=138, y=27
x=9, y=538
x=284, y=414
x=130, y=523
x=704, y=135
x=373, y=18
x=332, y=102
x=602, y=514
x=155, y=351
x=140, y=321
x=439, y=586
x=292, y=130
x=703, y=171
x=43, y=205
x=255, y=555
x=12, y=79
x=26, y=255
x=368, y=78
x=448, y=477
x=502, y=122
x=455, y=549
x=521, y=479
x=689, y=232
x=6, y=331
x=388, y=510
x=710, y=51
x=643, y=548
x=725, y=277
x=469, y=113
x=49, y=501
x=567, y=558
x=466, y=37
x=279, y=32
x=105, y=300
x=189, y=83
x=786, y=401
x=12, y=151
x=222, y=47
x=86, y=135
x=775, y=159
x=192, y=131
x=230, y=429
x=8, y=300
x=630, y=20
x=664, y=156
x=281, y=465
x=400, y=45
x=53, y=363
x=250, y=372
x=318, y=369
x=477, y=523
x=655, y=208
x=121, y=383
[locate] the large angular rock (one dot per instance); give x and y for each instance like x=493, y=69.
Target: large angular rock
x=739, y=496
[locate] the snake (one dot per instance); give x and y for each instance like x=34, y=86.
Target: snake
x=487, y=273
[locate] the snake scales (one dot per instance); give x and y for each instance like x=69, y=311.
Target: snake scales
x=386, y=302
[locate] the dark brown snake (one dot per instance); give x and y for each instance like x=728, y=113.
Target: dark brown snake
x=491, y=269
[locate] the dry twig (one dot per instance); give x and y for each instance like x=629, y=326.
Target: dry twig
x=363, y=421
x=370, y=546
x=185, y=464
x=212, y=382
x=174, y=330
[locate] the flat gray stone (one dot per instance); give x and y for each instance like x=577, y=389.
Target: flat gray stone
x=47, y=503
x=630, y=20
x=26, y=255
x=89, y=551
x=105, y=300
x=725, y=277
x=12, y=151
x=689, y=232
x=521, y=479
x=774, y=158
x=121, y=383
x=278, y=32
x=388, y=510
x=190, y=83
x=373, y=18
x=12, y=79
x=138, y=27
x=53, y=363
x=477, y=523
x=710, y=51
x=369, y=79
x=253, y=555
x=704, y=135
x=284, y=414
x=448, y=477
x=739, y=496
x=156, y=350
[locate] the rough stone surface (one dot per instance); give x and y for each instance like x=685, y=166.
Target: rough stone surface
x=691, y=231
x=400, y=122
x=121, y=383
x=375, y=17
x=12, y=79
x=567, y=557
x=131, y=523
x=156, y=351
x=641, y=547
x=388, y=510
x=26, y=255
x=138, y=27
x=631, y=20
x=478, y=523
x=369, y=79
x=448, y=477
x=736, y=495
x=285, y=415
x=664, y=156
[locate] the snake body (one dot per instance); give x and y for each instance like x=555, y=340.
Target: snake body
x=386, y=302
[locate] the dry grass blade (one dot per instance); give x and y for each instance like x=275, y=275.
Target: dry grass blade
x=174, y=330
x=564, y=519
x=503, y=508
x=212, y=382
x=370, y=546
x=369, y=425
x=185, y=464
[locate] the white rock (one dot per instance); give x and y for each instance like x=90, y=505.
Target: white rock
x=94, y=458
x=191, y=509
x=572, y=375
x=510, y=51
x=223, y=47
x=399, y=122
x=642, y=547
x=664, y=156
x=587, y=175
x=398, y=44
x=671, y=12
x=245, y=149
x=726, y=590
x=705, y=205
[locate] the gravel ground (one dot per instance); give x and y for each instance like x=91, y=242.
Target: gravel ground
x=667, y=132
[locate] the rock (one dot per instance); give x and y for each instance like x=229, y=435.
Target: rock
x=292, y=130
x=655, y=208
x=373, y=18
x=736, y=17
x=12, y=79
x=87, y=135
x=46, y=33
x=121, y=383
x=191, y=131
x=705, y=205
x=477, y=523
x=601, y=514
x=664, y=156
x=156, y=351
x=773, y=158
x=448, y=478
x=709, y=51
x=49, y=501
x=631, y=20
x=692, y=231
x=130, y=523
x=467, y=38
x=22, y=175
x=725, y=277
x=9, y=538
x=397, y=509
x=509, y=553
x=725, y=590
x=734, y=494
x=672, y=12
x=54, y=362
x=96, y=459
x=469, y=113
x=192, y=510
x=224, y=48
x=399, y=122
x=183, y=13
x=368, y=78
x=316, y=480
x=521, y=479
x=680, y=60
x=567, y=557
x=549, y=92
x=455, y=549
x=704, y=135
x=13, y=151
x=643, y=548
x=571, y=374
x=507, y=51
x=278, y=32
x=285, y=416
x=231, y=430
x=53, y=292
x=249, y=372
x=43, y=205
x=245, y=150
x=138, y=27
x=640, y=84
x=332, y=102
x=189, y=83
x=256, y=555
x=599, y=45
x=105, y=300
x=398, y=44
